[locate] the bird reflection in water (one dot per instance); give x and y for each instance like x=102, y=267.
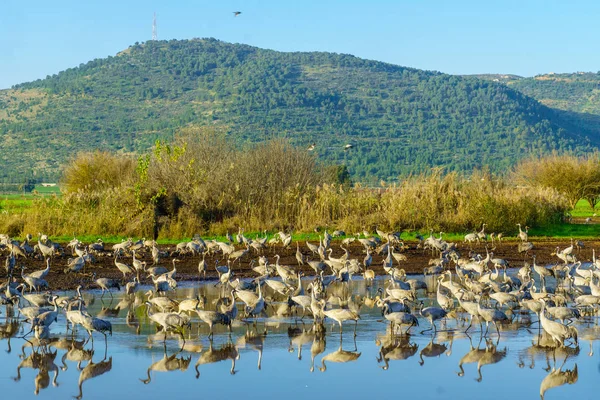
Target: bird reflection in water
x=132, y=322
x=168, y=364
x=491, y=356
x=340, y=356
x=9, y=329
x=472, y=356
x=318, y=344
x=255, y=341
x=76, y=353
x=558, y=377
x=397, y=348
x=299, y=337
x=226, y=352
x=431, y=350
x=545, y=348
x=92, y=370
x=591, y=333
x=43, y=361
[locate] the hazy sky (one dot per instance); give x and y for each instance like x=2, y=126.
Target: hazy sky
x=526, y=37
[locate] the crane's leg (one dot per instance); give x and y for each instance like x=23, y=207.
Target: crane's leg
x=182, y=338
x=470, y=323
x=105, y=345
x=355, y=325
x=426, y=330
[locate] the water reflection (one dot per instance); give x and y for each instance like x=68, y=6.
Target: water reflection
x=317, y=347
x=78, y=354
x=9, y=329
x=472, y=356
x=227, y=351
x=253, y=340
x=339, y=356
x=300, y=337
x=92, y=370
x=396, y=348
x=276, y=343
x=431, y=350
x=167, y=364
x=544, y=347
x=491, y=356
x=558, y=377
x=41, y=360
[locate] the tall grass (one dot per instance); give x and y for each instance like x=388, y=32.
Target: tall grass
x=201, y=184
x=441, y=202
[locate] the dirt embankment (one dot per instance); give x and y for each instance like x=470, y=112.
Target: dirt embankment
x=187, y=269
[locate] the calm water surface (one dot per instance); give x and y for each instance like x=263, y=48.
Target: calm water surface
x=293, y=361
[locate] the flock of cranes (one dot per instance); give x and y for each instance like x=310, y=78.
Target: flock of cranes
x=456, y=287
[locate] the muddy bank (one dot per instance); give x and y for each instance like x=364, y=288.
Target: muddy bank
x=187, y=269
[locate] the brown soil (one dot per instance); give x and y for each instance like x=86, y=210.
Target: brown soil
x=187, y=269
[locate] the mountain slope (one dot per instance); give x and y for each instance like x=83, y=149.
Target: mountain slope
x=578, y=92
x=400, y=120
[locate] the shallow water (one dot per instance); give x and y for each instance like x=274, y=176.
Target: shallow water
x=135, y=360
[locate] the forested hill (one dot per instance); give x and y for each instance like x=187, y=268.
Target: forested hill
x=399, y=120
x=577, y=92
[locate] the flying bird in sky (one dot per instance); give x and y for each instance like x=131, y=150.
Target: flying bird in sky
x=236, y=13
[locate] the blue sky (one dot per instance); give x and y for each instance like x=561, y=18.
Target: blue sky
x=527, y=37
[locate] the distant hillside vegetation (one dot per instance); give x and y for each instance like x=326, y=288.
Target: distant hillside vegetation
x=399, y=120
x=578, y=92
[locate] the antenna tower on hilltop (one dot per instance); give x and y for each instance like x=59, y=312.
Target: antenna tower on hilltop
x=154, y=34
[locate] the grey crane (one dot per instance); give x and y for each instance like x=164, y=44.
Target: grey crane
x=32, y=282
x=46, y=318
x=556, y=330
x=523, y=234
x=41, y=274
x=433, y=314
x=340, y=315
x=93, y=324
x=169, y=322
x=106, y=284
x=202, y=266
x=491, y=315
x=214, y=317
x=542, y=272
x=400, y=318
x=124, y=268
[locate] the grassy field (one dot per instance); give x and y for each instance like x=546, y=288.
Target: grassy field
x=584, y=210
x=22, y=203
